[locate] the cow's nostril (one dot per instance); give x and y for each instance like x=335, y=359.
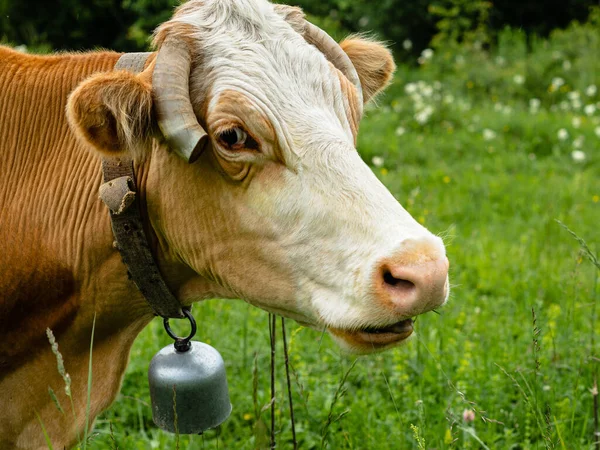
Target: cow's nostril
x=397, y=283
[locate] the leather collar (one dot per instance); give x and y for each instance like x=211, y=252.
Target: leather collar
x=119, y=193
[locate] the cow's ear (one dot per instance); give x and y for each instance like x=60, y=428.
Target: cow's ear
x=373, y=62
x=113, y=111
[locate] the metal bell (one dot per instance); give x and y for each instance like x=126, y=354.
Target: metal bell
x=188, y=386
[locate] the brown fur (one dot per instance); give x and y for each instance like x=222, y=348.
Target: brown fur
x=374, y=64
x=58, y=269
x=112, y=111
x=32, y=294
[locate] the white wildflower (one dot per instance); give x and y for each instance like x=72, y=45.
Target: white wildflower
x=576, y=122
x=363, y=21
x=506, y=110
x=500, y=60
x=400, y=131
x=407, y=44
x=448, y=99
x=576, y=104
x=464, y=105
x=426, y=55
x=427, y=91
x=589, y=109
x=578, y=142
x=562, y=134
x=564, y=105
x=557, y=82
x=566, y=65
x=488, y=134
x=498, y=106
x=423, y=116
x=410, y=88
x=534, y=105
x=519, y=79
x=578, y=156
x=460, y=60
x=377, y=161
x=574, y=95
x=591, y=90
x=597, y=131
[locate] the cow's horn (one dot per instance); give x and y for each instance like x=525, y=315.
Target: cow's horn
x=334, y=53
x=175, y=114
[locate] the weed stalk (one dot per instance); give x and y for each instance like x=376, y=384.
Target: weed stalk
x=289, y=384
x=339, y=393
x=272, y=324
x=596, y=424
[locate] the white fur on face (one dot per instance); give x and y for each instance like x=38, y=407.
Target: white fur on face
x=331, y=218
x=336, y=220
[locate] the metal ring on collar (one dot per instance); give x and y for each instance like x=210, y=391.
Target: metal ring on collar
x=182, y=344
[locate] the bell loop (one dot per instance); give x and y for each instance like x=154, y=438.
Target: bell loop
x=182, y=344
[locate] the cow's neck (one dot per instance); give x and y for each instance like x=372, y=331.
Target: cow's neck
x=174, y=272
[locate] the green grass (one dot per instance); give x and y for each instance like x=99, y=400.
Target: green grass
x=517, y=344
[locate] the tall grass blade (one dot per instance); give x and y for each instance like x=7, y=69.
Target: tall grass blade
x=339, y=393
x=272, y=325
x=596, y=422
x=55, y=400
x=560, y=438
x=471, y=432
x=584, y=247
x=89, y=387
x=289, y=384
x=48, y=441
x=60, y=365
x=175, y=418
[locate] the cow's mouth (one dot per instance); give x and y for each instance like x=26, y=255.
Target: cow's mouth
x=376, y=338
x=386, y=335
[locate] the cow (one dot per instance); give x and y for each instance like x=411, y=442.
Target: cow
x=278, y=210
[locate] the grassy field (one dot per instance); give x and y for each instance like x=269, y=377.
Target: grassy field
x=488, y=149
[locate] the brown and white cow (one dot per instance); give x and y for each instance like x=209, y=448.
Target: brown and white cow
x=280, y=210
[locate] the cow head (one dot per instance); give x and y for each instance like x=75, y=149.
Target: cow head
x=279, y=209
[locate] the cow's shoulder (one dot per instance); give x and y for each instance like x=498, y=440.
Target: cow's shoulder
x=36, y=292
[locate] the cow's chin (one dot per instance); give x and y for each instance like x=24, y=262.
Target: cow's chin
x=361, y=341
x=372, y=340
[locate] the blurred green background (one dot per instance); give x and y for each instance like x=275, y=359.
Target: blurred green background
x=489, y=133
x=125, y=24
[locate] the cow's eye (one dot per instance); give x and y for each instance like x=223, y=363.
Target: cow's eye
x=237, y=139
x=233, y=138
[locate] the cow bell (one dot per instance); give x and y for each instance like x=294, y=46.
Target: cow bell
x=188, y=385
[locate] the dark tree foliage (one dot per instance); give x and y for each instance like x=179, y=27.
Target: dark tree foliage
x=539, y=17
x=127, y=24
x=66, y=24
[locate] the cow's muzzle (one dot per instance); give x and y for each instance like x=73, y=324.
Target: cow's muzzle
x=412, y=281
